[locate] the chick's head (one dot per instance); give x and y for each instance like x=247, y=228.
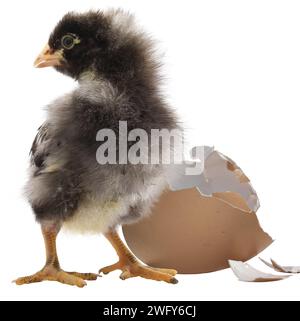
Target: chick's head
x=85, y=42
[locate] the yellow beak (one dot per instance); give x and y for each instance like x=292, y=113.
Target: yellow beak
x=49, y=58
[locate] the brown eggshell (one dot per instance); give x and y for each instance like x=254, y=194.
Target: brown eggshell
x=193, y=233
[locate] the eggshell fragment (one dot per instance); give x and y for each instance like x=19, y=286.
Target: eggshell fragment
x=280, y=268
x=247, y=273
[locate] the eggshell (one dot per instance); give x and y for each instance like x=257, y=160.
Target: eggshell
x=201, y=223
x=193, y=233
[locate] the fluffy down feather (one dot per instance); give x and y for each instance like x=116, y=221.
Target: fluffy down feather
x=118, y=81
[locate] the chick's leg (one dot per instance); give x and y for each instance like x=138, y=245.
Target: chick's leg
x=130, y=266
x=52, y=271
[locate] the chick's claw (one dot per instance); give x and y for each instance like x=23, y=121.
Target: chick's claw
x=111, y=268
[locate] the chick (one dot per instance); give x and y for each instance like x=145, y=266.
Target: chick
x=118, y=80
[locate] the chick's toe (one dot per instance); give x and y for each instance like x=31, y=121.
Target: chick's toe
x=53, y=275
x=131, y=267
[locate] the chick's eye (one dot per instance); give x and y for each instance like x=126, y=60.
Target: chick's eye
x=67, y=42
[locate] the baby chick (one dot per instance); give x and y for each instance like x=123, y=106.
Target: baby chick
x=118, y=80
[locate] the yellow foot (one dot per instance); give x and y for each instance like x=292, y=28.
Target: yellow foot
x=134, y=269
x=54, y=274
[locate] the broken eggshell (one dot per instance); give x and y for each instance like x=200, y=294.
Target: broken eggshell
x=246, y=273
x=202, y=220
x=281, y=268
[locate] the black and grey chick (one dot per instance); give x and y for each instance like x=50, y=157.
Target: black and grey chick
x=118, y=80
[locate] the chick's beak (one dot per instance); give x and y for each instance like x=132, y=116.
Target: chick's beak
x=49, y=57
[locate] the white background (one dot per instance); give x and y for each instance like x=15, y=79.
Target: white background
x=233, y=73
